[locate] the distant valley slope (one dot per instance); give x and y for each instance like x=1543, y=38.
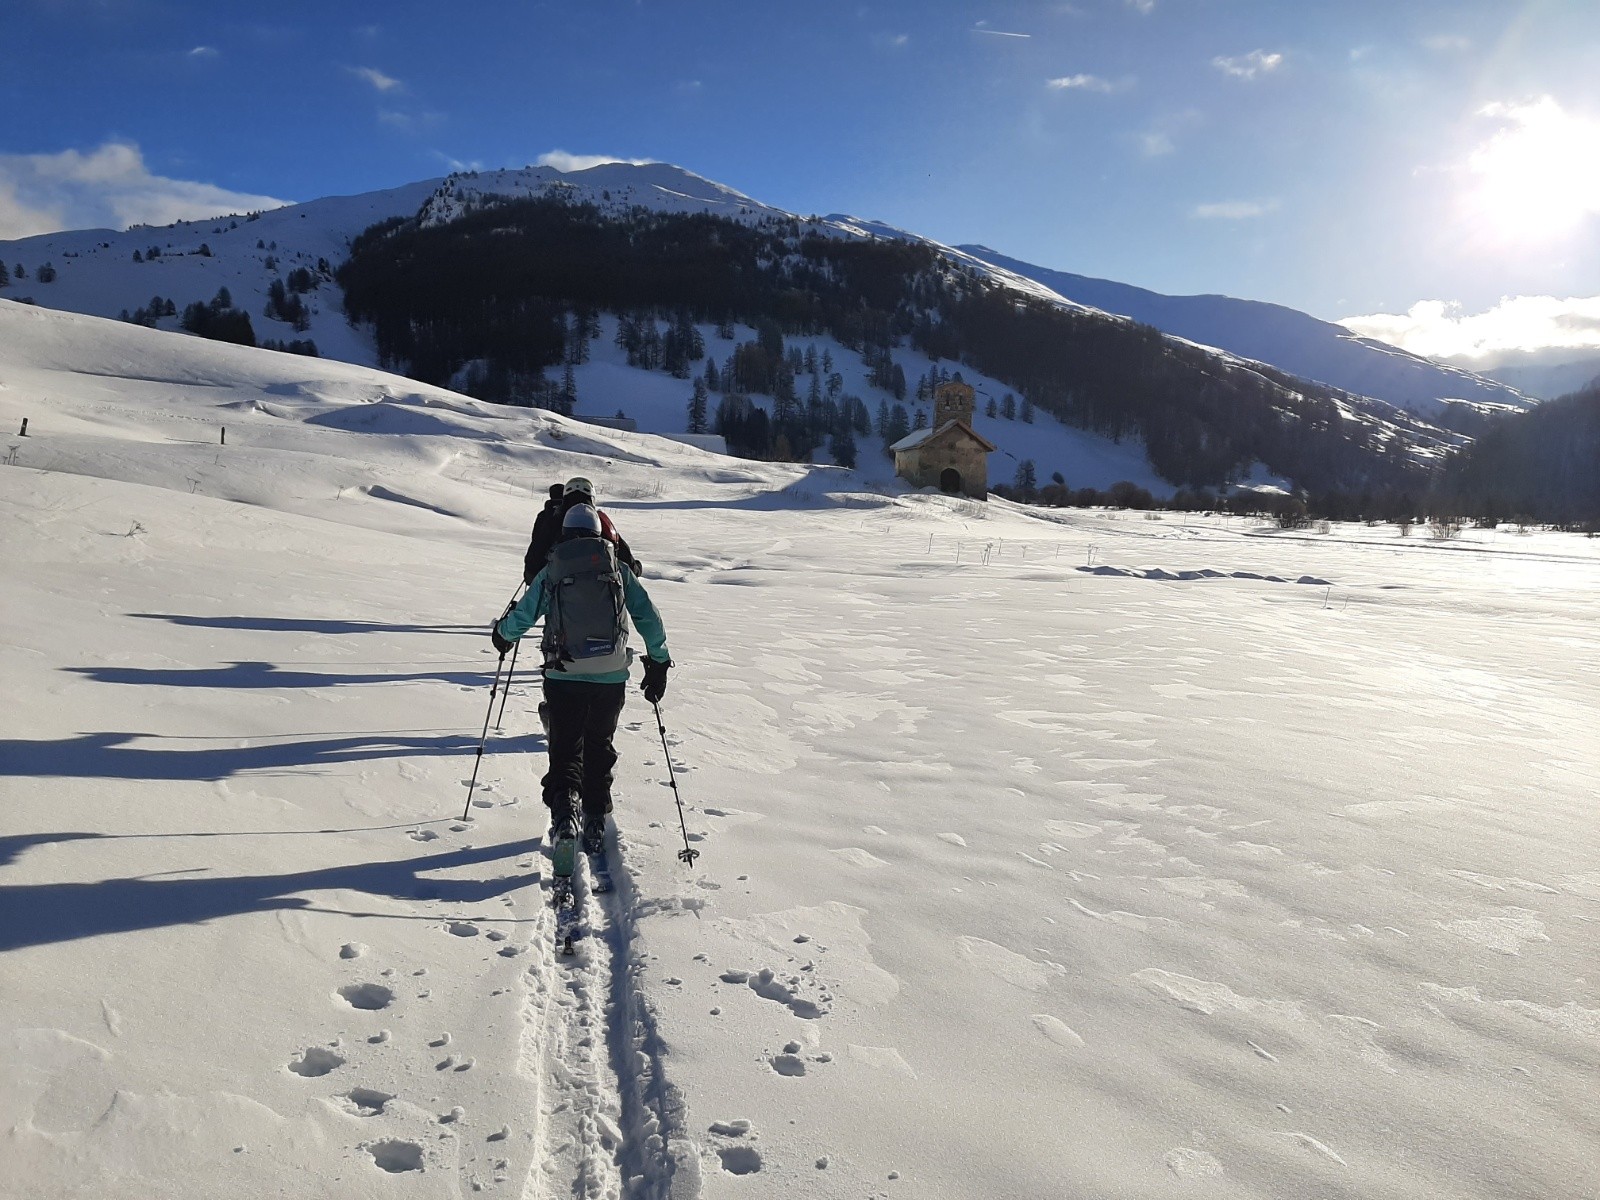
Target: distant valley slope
x=1287, y=338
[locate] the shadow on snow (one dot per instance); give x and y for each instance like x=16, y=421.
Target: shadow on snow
x=249, y=675
x=303, y=625
x=110, y=755
x=48, y=913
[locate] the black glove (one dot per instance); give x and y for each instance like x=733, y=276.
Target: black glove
x=655, y=679
x=500, y=643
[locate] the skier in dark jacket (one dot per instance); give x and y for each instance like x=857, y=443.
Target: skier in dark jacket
x=583, y=699
x=547, y=528
x=546, y=531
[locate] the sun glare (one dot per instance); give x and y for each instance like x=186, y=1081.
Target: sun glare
x=1538, y=177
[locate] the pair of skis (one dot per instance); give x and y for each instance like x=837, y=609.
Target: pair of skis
x=566, y=898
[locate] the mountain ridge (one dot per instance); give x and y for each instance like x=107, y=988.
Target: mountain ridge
x=1285, y=337
x=100, y=273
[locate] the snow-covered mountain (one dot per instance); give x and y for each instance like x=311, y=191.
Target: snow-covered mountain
x=1542, y=373
x=106, y=273
x=96, y=271
x=1042, y=854
x=1287, y=338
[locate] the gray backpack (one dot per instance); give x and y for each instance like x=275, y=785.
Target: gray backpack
x=586, y=622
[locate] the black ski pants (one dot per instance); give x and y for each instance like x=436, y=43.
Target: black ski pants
x=583, y=721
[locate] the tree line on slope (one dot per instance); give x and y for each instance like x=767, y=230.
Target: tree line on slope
x=1541, y=465
x=511, y=290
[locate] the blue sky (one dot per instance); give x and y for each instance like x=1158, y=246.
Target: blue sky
x=1340, y=156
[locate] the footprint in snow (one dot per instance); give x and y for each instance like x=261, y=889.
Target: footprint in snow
x=394, y=1155
x=369, y=997
x=423, y=835
x=463, y=929
x=365, y=1102
x=740, y=1160
x=316, y=1061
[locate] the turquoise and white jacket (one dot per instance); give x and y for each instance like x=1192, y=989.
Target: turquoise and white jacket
x=535, y=603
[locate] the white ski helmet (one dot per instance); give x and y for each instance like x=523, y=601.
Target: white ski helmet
x=579, y=484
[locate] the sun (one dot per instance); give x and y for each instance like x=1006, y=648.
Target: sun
x=1537, y=178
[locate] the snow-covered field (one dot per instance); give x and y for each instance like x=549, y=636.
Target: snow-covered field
x=1072, y=854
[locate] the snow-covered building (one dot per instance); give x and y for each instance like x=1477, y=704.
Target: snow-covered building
x=949, y=455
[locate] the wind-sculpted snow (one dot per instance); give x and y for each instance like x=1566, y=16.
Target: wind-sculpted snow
x=1067, y=853
x=1189, y=575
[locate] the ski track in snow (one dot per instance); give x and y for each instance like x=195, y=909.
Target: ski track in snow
x=610, y=1122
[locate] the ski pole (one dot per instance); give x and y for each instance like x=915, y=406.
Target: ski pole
x=479, y=760
x=506, y=695
x=493, y=688
x=686, y=855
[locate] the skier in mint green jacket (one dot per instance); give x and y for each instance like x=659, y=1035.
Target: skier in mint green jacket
x=586, y=597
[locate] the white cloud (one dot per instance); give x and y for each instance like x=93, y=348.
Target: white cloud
x=1142, y=6
x=384, y=83
x=891, y=41
x=1440, y=329
x=562, y=161
x=20, y=219
x=1160, y=137
x=205, y=52
x=981, y=27
x=1233, y=210
x=1156, y=143
x=456, y=164
x=1085, y=83
x=1248, y=66
x=109, y=186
